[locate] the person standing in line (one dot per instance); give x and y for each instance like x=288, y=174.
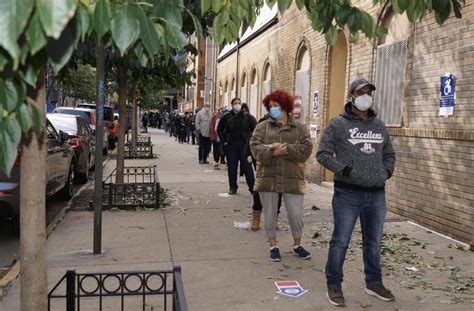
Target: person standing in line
x=356, y=147
x=166, y=121
x=234, y=130
x=216, y=143
x=188, y=120
x=281, y=146
x=145, y=122
x=203, y=124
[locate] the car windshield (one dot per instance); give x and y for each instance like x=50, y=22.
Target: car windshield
x=80, y=113
x=67, y=126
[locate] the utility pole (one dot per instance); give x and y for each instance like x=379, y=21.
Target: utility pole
x=99, y=136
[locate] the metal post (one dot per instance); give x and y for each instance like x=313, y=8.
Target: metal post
x=70, y=290
x=99, y=134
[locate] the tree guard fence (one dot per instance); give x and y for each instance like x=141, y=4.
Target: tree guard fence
x=132, y=290
x=142, y=140
x=140, y=188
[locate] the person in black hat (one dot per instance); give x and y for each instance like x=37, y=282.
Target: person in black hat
x=356, y=147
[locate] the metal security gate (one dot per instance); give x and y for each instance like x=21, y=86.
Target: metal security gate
x=131, y=290
x=390, y=82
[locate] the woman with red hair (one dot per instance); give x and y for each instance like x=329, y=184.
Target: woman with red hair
x=281, y=146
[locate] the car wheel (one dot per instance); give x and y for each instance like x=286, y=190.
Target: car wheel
x=68, y=190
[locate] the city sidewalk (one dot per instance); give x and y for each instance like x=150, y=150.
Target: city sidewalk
x=225, y=268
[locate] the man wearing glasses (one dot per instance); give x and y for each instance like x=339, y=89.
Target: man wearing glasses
x=356, y=147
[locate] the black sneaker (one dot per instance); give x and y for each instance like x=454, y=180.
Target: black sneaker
x=380, y=292
x=336, y=297
x=301, y=252
x=275, y=254
x=232, y=191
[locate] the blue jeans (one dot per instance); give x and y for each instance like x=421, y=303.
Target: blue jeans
x=347, y=206
x=236, y=153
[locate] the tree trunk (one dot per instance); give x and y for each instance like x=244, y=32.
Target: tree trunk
x=122, y=81
x=33, y=293
x=135, y=125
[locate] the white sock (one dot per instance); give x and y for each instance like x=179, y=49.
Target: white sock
x=296, y=246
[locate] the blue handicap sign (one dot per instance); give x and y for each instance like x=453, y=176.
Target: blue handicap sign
x=447, y=91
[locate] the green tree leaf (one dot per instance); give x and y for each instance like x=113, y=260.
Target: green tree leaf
x=149, y=35
x=141, y=55
x=101, y=18
x=125, y=26
x=331, y=35
x=174, y=36
x=24, y=118
x=197, y=24
x=29, y=74
x=38, y=119
x=55, y=15
x=84, y=20
x=60, y=51
x=13, y=14
x=10, y=135
x=300, y=4
x=34, y=35
x=457, y=9
x=217, y=5
x=283, y=5
x=205, y=5
x=404, y=4
x=12, y=95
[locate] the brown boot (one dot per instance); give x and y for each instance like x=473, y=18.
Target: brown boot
x=256, y=220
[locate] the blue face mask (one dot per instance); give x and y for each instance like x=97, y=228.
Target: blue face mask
x=275, y=113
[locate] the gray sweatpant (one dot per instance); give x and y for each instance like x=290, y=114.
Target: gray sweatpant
x=294, y=208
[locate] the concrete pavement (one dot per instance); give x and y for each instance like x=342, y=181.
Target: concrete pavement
x=229, y=269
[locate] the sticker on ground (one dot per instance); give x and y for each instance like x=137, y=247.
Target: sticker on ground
x=290, y=288
x=224, y=195
x=241, y=225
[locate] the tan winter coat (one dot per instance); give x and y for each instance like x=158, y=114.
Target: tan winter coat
x=282, y=174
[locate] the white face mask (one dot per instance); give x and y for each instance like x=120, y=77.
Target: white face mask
x=363, y=103
x=237, y=107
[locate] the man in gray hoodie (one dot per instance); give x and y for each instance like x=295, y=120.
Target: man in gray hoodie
x=203, y=124
x=356, y=147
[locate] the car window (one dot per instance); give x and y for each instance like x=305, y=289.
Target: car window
x=51, y=131
x=67, y=126
x=81, y=113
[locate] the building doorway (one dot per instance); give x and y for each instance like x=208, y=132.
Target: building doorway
x=337, y=84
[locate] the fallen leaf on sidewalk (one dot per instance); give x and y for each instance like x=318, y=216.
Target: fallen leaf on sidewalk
x=315, y=235
x=315, y=208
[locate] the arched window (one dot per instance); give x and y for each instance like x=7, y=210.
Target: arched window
x=233, y=92
x=243, y=88
x=391, y=65
x=303, y=64
x=226, y=94
x=267, y=77
x=253, y=92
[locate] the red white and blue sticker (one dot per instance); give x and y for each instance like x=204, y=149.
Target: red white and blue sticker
x=290, y=288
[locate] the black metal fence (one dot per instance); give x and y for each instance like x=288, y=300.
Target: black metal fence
x=146, y=290
x=139, y=152
x=140, y=188
x=142, y=140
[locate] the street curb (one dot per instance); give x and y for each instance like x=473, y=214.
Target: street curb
x=14, y=270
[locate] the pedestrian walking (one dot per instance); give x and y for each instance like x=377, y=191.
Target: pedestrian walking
x=203, y=124
x=281, y=146
x=356, y=147
x=235, y=129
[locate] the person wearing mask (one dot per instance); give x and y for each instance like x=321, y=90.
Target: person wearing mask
x=281, y=146
x=356, y=147
x=235, y=129
x=203, y=125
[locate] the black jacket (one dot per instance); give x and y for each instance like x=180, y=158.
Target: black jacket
x=236, y=127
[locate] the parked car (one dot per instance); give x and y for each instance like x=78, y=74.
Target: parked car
x=89, y=116
x=59, y=175
x=109, y=123
x=81, y=139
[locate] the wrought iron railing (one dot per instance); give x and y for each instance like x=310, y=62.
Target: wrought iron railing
x=139, y=152
x=140, y=188
x=135, y=290
x=142, y=140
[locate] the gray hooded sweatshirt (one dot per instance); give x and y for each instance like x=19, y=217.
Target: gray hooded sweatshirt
x=358, y=151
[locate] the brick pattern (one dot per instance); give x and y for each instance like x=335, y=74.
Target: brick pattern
x=433, y=180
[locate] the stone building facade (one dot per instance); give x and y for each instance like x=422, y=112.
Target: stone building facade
x=433, y=184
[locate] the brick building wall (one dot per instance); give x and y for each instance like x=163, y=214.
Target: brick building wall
x=433, y=180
